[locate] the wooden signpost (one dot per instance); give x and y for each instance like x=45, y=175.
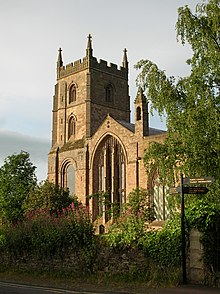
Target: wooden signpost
x=188, y=190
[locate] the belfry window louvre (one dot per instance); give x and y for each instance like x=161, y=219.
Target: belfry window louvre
x=72, y=94
x=109, y=93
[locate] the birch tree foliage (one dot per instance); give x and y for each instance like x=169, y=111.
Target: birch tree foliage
x=192, y=103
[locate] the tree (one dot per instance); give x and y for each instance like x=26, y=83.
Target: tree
x=50, y=197
x=17, y=179
x=192, y=103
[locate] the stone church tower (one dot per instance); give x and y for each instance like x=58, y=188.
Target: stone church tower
x=95, y=147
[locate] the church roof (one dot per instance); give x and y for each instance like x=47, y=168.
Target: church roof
x=153, y=131
x=131, y=127
x=127, y=125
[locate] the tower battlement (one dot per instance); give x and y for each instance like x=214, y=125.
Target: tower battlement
x=93, y=63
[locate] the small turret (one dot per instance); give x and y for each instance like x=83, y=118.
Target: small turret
x=125, y=59
x=141, y=114
x=89, y=46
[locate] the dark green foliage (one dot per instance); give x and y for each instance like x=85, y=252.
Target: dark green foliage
x=164, y=247
x=203, y=213
x=50, y=197
x=17, y=180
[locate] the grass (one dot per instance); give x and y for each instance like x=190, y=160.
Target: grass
x=156, y=278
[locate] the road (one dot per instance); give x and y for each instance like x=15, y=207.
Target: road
x=14, y=288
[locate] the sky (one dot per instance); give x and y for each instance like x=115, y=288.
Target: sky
x=31, y=33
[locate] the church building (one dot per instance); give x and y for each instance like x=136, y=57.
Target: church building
x=95, y=147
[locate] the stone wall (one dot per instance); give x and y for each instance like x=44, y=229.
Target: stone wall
x=196, y=265
x=106, y=261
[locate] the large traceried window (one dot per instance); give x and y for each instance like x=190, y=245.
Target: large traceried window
x=159, y=194
x=72, y=93
x=109, y=170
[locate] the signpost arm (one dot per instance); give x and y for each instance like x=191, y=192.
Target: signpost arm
x=183, y=233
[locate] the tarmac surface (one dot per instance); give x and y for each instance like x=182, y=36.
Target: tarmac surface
x=16, y=288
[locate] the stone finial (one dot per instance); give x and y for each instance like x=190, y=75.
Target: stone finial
x=89, y=46
x=60, y=60
x=125, y=59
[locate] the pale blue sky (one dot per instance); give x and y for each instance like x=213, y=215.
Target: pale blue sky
x=32, y=31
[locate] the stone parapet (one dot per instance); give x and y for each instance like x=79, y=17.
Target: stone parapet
x=92, y=62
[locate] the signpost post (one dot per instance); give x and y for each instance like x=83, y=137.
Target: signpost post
x=183, y=233
x=188, y=190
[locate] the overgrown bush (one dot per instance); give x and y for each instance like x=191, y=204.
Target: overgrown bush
x=129, y=227
x=42, y=235
x=164, y=247
x=203, y=213
x=50, y=197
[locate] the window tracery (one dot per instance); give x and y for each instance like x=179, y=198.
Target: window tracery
x=109, y=168
x=159, y=194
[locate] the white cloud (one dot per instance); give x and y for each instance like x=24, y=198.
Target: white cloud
x=31, y=33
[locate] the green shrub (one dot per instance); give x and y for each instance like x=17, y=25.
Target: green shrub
x=42, y=235
x=164, y=247
x=129, y=227
x=50, y=197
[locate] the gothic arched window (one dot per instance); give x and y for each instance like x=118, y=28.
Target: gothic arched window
x=109, y=170
x=109, y=93
x=159, y=198
x=72, y=94
x=138, y=113
x=68, y=178
x=71, y=127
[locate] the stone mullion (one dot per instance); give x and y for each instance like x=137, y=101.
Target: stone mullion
x=113, y=172
x=105, y=181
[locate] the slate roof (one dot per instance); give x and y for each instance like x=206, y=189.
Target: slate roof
x=131, y=127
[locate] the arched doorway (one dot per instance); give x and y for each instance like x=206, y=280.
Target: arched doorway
x=109, y=178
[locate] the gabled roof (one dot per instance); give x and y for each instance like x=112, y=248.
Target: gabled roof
x=153, y=131
x=127, y=125
x=131, y=127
